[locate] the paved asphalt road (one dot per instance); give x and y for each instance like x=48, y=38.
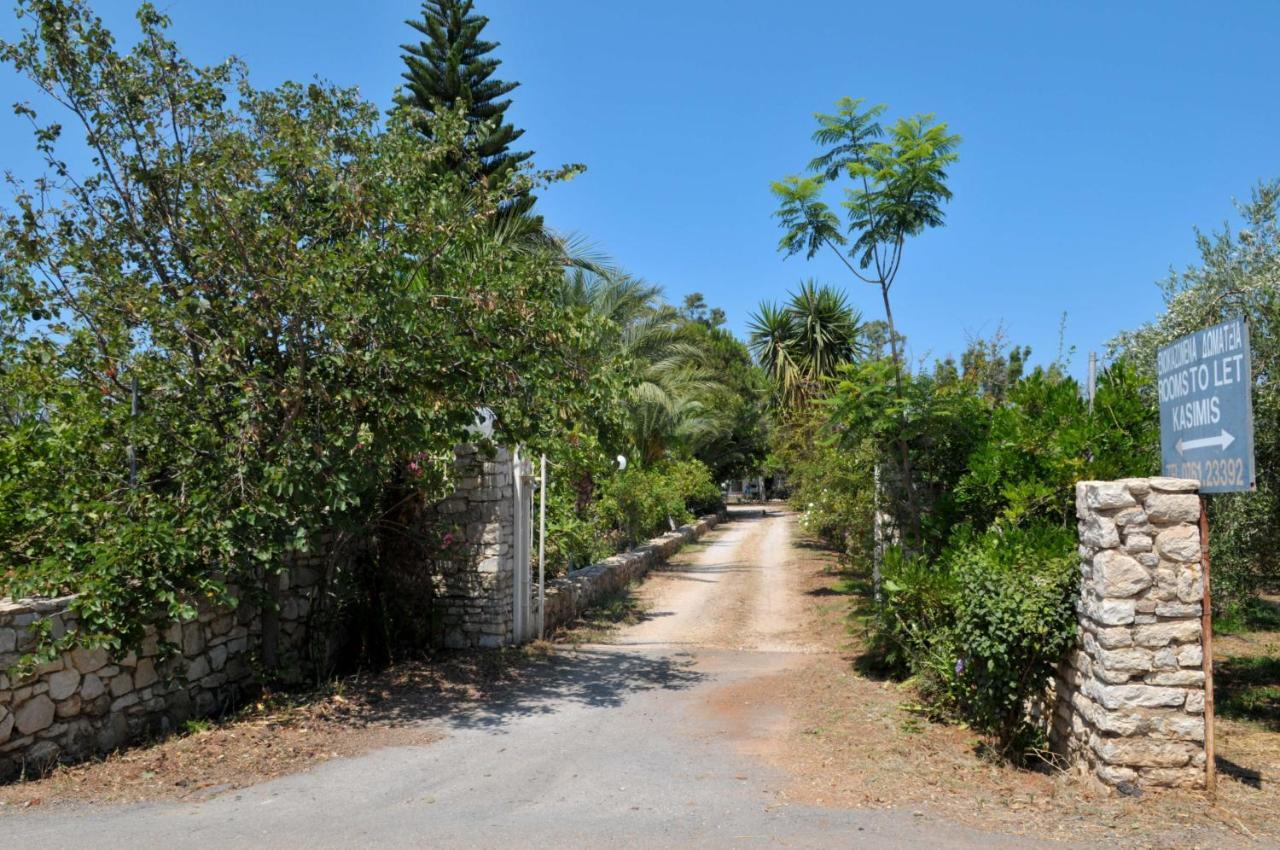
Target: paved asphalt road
x=613, y=748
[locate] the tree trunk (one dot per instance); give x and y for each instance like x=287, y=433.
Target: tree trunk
x=913, y=510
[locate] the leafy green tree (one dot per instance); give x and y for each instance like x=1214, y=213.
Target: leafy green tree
x=452, y=68
x=1238, y=274
x=895, y=189
x=695, y=309
x=306, y=308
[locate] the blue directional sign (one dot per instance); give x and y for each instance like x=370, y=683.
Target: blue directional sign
x=1206, y=408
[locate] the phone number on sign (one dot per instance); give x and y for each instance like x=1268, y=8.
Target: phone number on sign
x=1228, y=472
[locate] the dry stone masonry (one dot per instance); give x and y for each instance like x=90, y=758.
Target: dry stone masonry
x=569, y=595
x=88, y=701
x=1130, y=697
x=474, y=552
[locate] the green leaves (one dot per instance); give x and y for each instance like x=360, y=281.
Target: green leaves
x=809, y=223
x=801, y=345
x=896, y=187
x=311, y=309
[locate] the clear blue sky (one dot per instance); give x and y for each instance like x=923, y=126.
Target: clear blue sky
x=1096, y=135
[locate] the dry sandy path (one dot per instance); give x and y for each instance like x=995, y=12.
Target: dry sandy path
x=735, y=593
x=648, y=742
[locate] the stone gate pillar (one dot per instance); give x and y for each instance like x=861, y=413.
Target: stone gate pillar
x=1130, y=697
x=474, y=568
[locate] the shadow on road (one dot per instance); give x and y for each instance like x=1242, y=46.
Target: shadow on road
x=488, y=690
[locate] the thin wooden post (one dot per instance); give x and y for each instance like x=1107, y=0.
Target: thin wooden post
x=1206, y=645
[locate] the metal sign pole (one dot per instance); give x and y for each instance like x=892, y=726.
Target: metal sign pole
x=542, y=550
x=1206, y=641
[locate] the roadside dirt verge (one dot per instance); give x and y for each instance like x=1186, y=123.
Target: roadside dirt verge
x=850, y=740
x=286, y=733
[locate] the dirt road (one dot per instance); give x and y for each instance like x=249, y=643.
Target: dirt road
x=658, y=739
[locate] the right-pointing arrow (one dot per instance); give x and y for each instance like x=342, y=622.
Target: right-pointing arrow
x=1221, y=441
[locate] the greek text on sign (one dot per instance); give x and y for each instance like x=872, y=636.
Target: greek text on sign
x=1206, y=408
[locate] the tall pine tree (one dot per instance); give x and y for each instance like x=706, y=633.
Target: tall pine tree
x=451, y=67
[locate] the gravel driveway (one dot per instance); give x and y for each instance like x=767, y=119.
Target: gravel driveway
x=618, y=746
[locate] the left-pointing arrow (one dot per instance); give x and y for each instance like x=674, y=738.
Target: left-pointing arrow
x=1221, y=441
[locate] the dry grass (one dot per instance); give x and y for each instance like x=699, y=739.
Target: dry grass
x=853, y=740
x=284, y=733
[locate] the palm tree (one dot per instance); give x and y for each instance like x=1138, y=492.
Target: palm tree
x=801, y=344
x=666, y=399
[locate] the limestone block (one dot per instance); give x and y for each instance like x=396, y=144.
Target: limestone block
x=1125, y=659
x=1172, y=777
x=1082, y=507
x=1174, y=485
x=1099, y=532
x=1113, y=638
x=1176, y=678
x=69, y=707
x=63, y=684
x=6, y=724
x=1180, y=544
x=1173, y=507
x=1112, y=697
x=1185, y=727
x=34, y=714
x=1130, y=517
x=121, y=684
x=1114, y=774
x=1108, y=495
x=1178, y=609
x=1139, y=487
x=1142, y=752
x=91, y=687
x=145, y=674
x=1191, y=656
x=1195, y=702
x=1165, y=658
x=1120, y=724
x=1113, y=612
x=1190, y=588
x=1113, y=677
x=1136, y=544
x=8, y=640
x=1163, y=634
x=1118, y=576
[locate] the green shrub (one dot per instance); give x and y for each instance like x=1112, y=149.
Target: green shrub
x=1013, y=620
x=917, y=607
x=692, y=480
x=981, y=629
x=574, y=542
x=637, y=503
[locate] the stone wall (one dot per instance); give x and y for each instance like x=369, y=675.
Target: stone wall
x=471, y=536
x=1130, y=697
x=464, y=594
x=88, y=701
x=569, y=595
